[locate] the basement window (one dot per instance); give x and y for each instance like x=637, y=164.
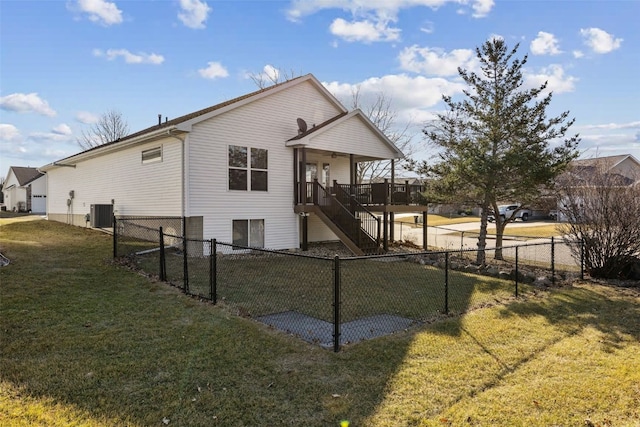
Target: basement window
x=152, y=156
x=248, y=232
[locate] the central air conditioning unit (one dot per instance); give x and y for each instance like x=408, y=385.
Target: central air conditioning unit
x=101, y=216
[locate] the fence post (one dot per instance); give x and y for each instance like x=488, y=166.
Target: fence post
x=213, y=272
x=336, y=303
x=517, y=273
x=115, y=238
x=163, y=272
x=446, y=282
x=185, y=266
x=553, y=261
x=461, y=242
x=581, y=259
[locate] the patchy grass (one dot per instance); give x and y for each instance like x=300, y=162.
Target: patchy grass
x=269, y=283
x=533, y=232
x=87, y=343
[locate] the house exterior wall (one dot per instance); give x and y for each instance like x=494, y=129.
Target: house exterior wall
x=152, y=189
x=266, y=123
x=39, y=195
x=13, y=196
x=628, y=168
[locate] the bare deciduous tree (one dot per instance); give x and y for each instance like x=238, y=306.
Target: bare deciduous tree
x=271, y=75
x=110, y=127
x=602, y=211
x=381, y=113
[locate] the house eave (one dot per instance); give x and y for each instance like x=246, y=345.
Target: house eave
x=109, y=148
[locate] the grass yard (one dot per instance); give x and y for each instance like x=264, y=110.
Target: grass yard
x=534, y=232
x=85, y=342
x=267, y=283
x=434, y=220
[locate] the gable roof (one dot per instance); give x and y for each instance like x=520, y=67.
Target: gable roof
x=25, y=175
x=607, y=161
x=185, y=122
x=305, y=137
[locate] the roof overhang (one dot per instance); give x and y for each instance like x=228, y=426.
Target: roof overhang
x=112, y=148
x=307, y=139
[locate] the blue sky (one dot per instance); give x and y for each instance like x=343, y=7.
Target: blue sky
x=64, y=63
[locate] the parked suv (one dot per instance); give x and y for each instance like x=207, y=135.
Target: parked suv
x=507, y=211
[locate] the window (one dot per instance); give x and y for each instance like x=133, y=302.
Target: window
x=247, y=169
x=151, y=156
x=248, y=232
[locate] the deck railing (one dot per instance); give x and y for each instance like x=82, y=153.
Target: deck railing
x=350, y=223
x=369, y=223
x=385, y=193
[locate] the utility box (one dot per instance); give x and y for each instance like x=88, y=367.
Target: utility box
x=101, y=216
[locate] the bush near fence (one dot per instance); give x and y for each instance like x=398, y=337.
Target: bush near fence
x=331, y=292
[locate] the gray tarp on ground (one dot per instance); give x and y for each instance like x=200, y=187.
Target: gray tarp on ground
x=321, y=332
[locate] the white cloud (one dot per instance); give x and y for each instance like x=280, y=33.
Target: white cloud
x=194, y=13
x=608, y=144
x=9, y=133
x=615, y=126
x=599, y=40
x=372, y=18
x=411, y=96
x=435, y=61
x=86, y=118
x=554, y=75
x=100, y=11
x=213, y=71
x=364, y=31
x=26, y=103
x=481, y=8
x=130, y=58
x=388, y=8
x=545, y=44
x=577, y=54
x=62, y=129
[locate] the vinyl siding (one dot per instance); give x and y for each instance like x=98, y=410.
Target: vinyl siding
x=137, y=189
x=265, y=123
x=354, y=137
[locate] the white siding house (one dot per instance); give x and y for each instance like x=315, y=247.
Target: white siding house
x=234, y=170
x=25, y=190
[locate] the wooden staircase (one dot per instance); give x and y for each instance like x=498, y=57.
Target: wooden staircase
x=356, y=227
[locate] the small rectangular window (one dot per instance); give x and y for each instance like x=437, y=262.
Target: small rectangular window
x=151, y=156
x=248, y=233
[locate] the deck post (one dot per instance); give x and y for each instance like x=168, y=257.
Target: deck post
x=424, y=230
x=305, y=231
x=385, y=228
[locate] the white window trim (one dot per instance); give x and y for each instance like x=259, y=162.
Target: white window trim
x=155, y=159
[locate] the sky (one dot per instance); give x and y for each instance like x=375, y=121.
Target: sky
x=65, y=63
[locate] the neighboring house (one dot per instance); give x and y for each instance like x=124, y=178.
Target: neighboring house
x=25, y=190
x=619, y=171
x=625, y=166
x=267, y=169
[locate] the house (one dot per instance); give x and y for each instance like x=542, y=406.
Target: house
x=274, y=168
x=610, y=171
x=625, y=166
x=25, y=190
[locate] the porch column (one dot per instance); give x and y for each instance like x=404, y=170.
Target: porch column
x=352, y=170
x=392, y=214
x=303, y=176
x=296, y=190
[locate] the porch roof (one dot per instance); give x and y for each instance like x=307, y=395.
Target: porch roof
x=350, y=133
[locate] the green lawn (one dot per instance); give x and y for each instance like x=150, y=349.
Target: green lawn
x=84, y=342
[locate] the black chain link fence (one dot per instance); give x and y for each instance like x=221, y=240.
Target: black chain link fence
x=335, y=301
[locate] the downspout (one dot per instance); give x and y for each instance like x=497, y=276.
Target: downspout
x=183, y=201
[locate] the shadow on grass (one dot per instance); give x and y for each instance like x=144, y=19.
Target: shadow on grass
x=85, y=342
x=579, y=307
